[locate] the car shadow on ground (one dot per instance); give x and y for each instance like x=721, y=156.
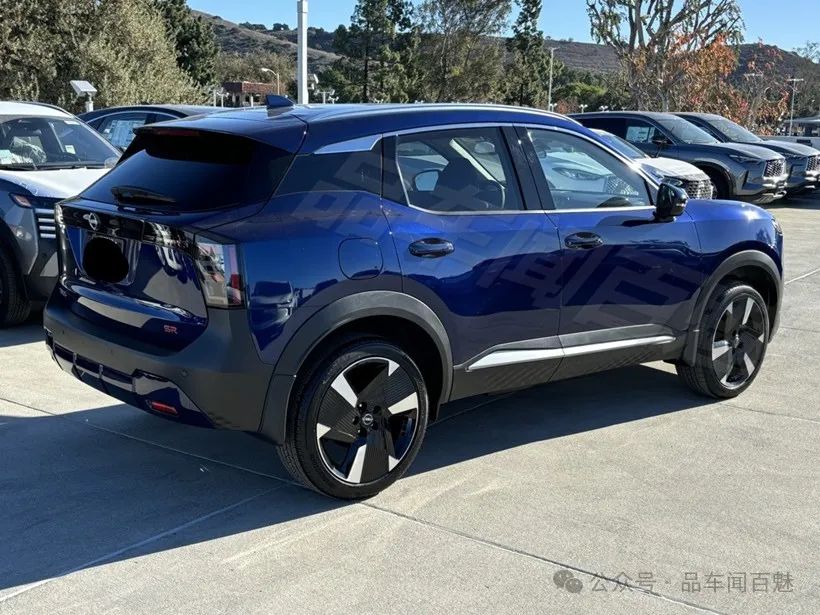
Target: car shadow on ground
x=29, y=332
x=72, y=497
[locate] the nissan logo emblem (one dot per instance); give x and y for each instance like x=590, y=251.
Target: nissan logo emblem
x=93, y=221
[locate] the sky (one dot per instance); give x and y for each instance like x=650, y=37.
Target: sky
x=787, y=23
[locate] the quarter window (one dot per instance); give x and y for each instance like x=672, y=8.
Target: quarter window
x=581, y=175
x=348, y=171
x=458, y=170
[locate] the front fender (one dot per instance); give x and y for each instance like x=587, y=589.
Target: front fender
x=745, y=258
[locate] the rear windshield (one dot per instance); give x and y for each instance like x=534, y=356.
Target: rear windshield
x=187, y=170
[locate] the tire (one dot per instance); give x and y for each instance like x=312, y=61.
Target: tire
x=720, y=186
x=357, y=420
x=14, y=305
x=732, y=345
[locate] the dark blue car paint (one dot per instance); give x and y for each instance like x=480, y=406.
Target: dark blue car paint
x=313, y=262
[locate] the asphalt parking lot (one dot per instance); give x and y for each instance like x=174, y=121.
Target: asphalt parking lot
x=653, y=499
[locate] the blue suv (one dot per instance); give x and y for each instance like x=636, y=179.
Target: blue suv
x=328, y=276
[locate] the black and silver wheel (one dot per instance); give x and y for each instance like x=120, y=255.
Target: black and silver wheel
x=358, y=421
x=734, y=336
x=14, y=305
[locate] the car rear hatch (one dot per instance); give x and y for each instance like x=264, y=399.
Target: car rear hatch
x=138, y=258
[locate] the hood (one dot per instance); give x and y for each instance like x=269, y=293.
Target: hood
x=54, y=183
x=787, y=148
x=669, y=167
x=742, y=149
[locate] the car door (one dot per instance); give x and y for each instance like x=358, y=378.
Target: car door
x=629, y=282
x=475, y=245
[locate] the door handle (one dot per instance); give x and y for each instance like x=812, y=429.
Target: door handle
x=432, y=247
x=583, y=241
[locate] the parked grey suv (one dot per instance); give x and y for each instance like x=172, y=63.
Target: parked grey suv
x=802, y=161
x=738, y=171
x=46, y=155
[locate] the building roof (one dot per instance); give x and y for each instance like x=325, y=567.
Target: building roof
x=249, y=87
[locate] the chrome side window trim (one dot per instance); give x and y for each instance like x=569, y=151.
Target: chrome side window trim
x=361, y=144
x=651, y=182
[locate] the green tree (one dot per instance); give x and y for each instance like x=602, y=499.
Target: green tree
x=373, y=51
x=461, y=54
x=194, y=40
x=121, y=46
x=528, y=72
x=130, y=59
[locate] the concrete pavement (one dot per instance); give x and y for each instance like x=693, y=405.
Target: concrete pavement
x=654, y=500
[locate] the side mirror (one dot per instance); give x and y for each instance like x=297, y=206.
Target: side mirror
x=671, y=202
x=660, y=140
x=426, y=181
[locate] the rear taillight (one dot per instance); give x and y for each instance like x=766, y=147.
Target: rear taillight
x=219, y=272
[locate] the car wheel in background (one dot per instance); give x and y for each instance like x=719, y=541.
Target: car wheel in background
x=732, y=344
x=357, y=420
x=14, y=305
x=720, y=187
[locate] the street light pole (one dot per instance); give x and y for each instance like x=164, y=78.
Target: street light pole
x=794, y=83
x=301, y=53
x=275, y=74
x=583, y=108
x=552, y=61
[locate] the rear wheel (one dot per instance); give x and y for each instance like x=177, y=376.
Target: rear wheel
x=14, y=305
x=732, y=344
x=357, y=421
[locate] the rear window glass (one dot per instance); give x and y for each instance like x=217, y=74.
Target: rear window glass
x=186, y=170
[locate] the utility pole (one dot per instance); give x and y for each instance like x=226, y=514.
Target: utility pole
x=301, y=53
x=794, y=83
x=552, y=61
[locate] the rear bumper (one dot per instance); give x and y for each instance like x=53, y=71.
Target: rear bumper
x=218, y=380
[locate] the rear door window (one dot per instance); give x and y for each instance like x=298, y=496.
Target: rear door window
x=191, y=170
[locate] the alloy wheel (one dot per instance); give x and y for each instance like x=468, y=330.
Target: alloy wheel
x=367, y=420
x=739, y=342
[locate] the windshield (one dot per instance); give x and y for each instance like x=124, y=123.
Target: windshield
x=734, y=132
x=686, y=132
x=619, y=145
x=52, y=143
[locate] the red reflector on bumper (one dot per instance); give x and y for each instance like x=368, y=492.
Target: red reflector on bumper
x=164, y=408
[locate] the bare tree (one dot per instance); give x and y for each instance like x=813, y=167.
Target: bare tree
x=649, y=36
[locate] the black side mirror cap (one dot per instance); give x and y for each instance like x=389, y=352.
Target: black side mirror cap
x=670, y=203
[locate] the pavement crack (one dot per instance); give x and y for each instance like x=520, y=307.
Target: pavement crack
x=541, y=558
x=775, y=414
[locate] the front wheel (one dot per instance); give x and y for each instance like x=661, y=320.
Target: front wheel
x=14, y=305
x=732, y=345
x=357, y=421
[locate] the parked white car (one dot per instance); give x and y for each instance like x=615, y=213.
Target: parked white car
x=676, y=172
x=46, y=155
